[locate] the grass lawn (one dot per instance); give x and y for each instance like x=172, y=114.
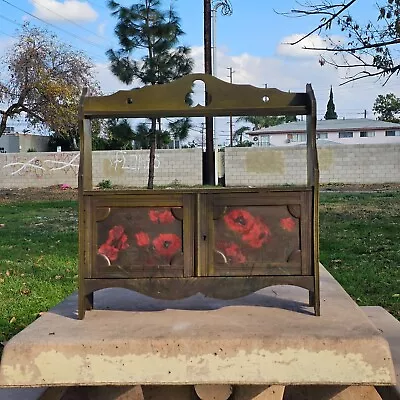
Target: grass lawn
x=38, y=260
x=360, y=246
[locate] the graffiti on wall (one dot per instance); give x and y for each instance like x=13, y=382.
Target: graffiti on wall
x=64, y=162
x=133, y=162
x=20, y=165
x=33, y=166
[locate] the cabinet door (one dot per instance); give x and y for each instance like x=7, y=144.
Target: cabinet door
x=142, y=237
x=263, y=233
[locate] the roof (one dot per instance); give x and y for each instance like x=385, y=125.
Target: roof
x=332, y=125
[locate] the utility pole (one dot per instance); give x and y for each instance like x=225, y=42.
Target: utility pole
x=226, y=9
x=230, y=117
x=202, y=136
x=209, y=177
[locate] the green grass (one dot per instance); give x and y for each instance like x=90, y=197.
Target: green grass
x=38, y=260
x=360, y=246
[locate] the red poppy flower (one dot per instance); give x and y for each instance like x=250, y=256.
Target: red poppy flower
x=109, y=251
x=115, y=233
x=232, y=250
x=240, y=221
x=167, y=244
x=258, y=235
x=161, y=217
x=288, y=224
x=142, y=239
x=117, y=240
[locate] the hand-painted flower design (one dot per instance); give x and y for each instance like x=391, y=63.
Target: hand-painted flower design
x=161, y=216
x=258, y=235
x=240, y=221
x=167, y=244
x=288, y=224
x=109, y=251
x=117, y=240
x=142, y=239
x=232, y=250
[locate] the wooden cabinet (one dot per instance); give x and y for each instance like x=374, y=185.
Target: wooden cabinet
x=223, y=242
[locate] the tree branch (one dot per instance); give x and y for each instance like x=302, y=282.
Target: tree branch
x=325, y=23
x=350, y=49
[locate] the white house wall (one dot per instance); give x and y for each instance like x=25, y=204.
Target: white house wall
x=280, y=139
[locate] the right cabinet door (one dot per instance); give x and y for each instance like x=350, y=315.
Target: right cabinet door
x=262, y=233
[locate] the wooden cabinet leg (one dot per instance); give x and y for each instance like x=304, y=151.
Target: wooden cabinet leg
x=311, y=299
x=85, y=302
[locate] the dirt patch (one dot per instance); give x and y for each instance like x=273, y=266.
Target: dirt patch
x=338, y=187
x=58, y=193
x=38, y=194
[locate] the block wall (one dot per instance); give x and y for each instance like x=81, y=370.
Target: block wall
x=243, y=166
x=127, y=168
x=378, y=163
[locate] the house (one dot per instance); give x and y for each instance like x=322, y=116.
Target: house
x=333, y=131
x=15, y=142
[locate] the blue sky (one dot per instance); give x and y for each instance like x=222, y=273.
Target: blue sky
x=250, y=41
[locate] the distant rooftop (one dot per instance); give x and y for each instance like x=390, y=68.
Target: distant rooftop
x=335, y=125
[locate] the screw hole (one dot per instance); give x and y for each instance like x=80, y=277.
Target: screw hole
x=129, y=100
x=265, y=99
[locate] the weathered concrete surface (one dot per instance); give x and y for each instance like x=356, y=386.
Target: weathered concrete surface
x=390, y=329
x=202, y=341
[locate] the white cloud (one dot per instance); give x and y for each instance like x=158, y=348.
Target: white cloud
x=298, y=50
x=109, y=83
x=284, y=73
x=52, y=10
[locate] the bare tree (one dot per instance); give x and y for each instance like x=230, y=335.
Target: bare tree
x=368, y=49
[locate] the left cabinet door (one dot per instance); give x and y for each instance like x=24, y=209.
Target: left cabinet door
x=141, y=236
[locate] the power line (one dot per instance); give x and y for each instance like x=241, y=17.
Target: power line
x=21, y=25
x=54, y=26
x=69, y=20
x=97, y=5
x=10, y=20
x=7, y=35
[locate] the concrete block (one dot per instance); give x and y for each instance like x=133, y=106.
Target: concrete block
x=390, y=329
x=166, y=342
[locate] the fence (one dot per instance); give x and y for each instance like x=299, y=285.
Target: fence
x=362, y=164
x=377, y=163
x=127, y=168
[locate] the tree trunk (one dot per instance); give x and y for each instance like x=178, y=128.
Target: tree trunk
x=152, y=156
x=3, y=123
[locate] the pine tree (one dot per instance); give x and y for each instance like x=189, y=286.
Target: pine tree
x=330, y=107
x=146, y=29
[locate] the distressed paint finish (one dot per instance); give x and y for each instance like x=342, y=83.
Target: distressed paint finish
x=298, y=263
